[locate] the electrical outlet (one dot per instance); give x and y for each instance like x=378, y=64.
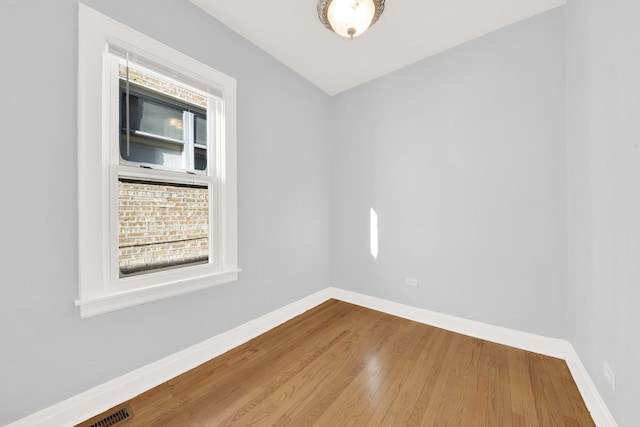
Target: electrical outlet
x=410, y=281
x=609, y=375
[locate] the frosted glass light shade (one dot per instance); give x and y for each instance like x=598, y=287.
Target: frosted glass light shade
x=349, y=18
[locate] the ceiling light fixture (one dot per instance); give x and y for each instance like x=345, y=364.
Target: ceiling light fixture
x=349, y=18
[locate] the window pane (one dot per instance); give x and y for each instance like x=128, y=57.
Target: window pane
x=161, y=120
x=201, y=130
x=152, y=117
x=161, y=225
x=200, y=159
x=146, y=150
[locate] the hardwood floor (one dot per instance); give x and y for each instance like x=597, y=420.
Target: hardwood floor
x=343, y=365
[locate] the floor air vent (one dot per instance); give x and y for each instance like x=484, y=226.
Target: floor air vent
x=110, y=419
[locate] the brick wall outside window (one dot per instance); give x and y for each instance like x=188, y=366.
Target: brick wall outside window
x=161, y=225
x=163, y=86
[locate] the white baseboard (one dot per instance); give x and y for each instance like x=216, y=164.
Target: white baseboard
x=592, y=398
x=98, y=399
x=553, y=347
x=536, y=343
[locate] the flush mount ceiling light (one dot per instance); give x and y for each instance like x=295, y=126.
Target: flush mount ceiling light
x=349, y=18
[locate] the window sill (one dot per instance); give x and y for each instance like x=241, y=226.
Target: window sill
x=116, y=301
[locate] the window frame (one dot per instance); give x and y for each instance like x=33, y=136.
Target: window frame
x=101, y=289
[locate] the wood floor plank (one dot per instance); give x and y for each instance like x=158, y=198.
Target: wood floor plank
x=503, y=391
x=472, y=387
x=524, y=414
x=544, y=394
x=344, y=365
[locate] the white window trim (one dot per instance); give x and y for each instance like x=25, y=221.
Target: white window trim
x=99, y=291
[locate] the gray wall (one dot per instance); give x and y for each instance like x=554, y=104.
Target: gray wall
x=603, y=129
x=462, y=156
x=47, y=353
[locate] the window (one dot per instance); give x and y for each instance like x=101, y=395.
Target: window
x=156, y=170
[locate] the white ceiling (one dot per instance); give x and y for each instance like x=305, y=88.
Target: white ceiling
x=408, y=31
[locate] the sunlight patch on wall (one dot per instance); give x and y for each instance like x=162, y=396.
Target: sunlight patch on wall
x=373, y=233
